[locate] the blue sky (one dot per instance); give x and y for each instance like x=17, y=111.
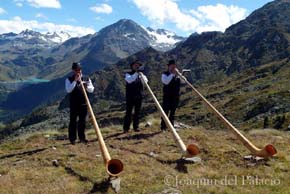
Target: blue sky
x=80, y=17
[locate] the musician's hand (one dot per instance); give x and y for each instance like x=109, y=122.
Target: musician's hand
x=78, y=77
x=173, y=71
x=140, y=69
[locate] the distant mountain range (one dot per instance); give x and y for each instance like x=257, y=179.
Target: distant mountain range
x=28, y=36
x=159, y=39
x=33, y=54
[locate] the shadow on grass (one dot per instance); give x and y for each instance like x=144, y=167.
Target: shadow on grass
x=29, y=153
x=180, y=163
x=71, y=172
x=113, y=135
x=100, y=187
x=139, y=136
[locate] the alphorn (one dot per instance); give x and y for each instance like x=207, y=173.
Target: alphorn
x=113, y=166
x=268, y=151
x=191, y=149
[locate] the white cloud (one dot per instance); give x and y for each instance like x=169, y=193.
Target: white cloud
x=218, y=17
x=41, y=15
x=2, y=11
x=17, y=25
x=73, y=20
x=102, y=8
x=161, y=11
x=99, y=18
x=45, y=3
x=18, y=3
x=204, y=18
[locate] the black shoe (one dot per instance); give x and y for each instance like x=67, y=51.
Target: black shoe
x=137, y=130
x=72, y=142
x=85, y=141
x=126, y=131
x=163, y=128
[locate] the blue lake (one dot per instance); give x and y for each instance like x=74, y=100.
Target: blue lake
x=17, y=84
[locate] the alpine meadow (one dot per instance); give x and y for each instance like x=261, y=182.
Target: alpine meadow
x=210, y=110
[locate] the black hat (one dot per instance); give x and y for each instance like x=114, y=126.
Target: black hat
x=171, y=62
x=76, y=65
x=136, y=61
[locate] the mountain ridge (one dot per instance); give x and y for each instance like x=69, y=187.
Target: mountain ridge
x=47, y=53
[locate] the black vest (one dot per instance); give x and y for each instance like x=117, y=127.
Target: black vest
x=173, y=88
x=76, y=97
x=134, y=89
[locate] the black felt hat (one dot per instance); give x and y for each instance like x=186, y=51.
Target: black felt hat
x=76, y=65
x=136, y=61
x=171, y=62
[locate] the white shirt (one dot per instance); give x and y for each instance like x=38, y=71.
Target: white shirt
x=131, y=78
x=90, y=88
x=167, y=79
x=69, y=86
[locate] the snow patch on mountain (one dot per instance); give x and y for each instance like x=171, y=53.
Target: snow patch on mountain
x=163, y=36
x=163, y=40
x=57, y=37
x=50, y=37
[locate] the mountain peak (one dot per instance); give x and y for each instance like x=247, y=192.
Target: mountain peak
x=126, y=21
x=123, y=27
x=127, y=24
x=57, y=37
x=29, y=32
x=275, y=14
x=159, y=39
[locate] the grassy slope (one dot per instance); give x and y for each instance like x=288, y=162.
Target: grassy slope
x=81, y=168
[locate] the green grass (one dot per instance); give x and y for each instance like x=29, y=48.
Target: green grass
x=29, y=169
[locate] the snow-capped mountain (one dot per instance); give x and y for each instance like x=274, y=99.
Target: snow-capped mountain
x=33, y=38
x=56, y=37
x=159, y=39
x=163, y=39
x=59, y=37
x=124, y=38
x=109, y=45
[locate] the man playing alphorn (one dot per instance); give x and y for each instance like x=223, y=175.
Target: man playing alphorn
x=78, y=107
x=134, y=96
x=171, y=88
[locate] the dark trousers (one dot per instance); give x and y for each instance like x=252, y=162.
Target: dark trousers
x=80, y=125
x=169, y=106
x=135, y=103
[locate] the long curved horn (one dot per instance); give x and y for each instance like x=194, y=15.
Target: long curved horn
x=113, y=166
x=268, y=151
x=188, y=151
